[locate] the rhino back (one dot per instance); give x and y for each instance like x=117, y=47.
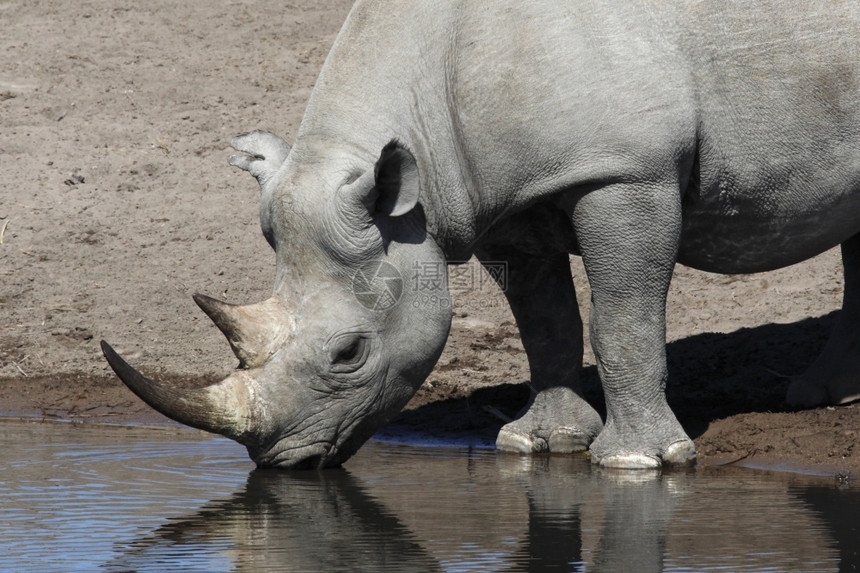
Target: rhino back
x=757, y=104
x=752, y=107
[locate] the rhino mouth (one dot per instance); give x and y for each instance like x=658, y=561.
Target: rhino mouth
x=318, y=455
x=292, y=452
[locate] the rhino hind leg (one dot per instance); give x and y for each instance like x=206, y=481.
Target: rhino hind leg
x=834, y=377
x=540, y=292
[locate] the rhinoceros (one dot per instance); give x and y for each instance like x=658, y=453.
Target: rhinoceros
x=635, y=134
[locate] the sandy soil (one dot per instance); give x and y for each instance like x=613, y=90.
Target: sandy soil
x=117, y=203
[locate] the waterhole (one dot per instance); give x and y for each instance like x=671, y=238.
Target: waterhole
x=90, y=498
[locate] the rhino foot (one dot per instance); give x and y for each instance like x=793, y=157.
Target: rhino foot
x=682, y=452
x=834, y=378
x=810, y=389
x=556, y=420
x=643, y=449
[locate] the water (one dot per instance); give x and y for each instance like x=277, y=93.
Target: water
x=87, y=498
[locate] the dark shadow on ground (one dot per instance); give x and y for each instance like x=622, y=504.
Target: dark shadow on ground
x=711, y=376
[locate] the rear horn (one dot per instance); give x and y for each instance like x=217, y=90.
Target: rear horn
x=254, y=331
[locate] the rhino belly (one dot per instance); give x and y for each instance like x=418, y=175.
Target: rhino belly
x=734, y=232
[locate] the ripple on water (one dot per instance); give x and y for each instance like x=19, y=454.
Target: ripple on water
x=71, y=495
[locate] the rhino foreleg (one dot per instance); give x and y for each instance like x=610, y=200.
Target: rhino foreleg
x=834, y=378
x=628, y=236
x=540, y=292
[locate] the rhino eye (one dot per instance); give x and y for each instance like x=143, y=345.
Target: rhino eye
x=349, y=353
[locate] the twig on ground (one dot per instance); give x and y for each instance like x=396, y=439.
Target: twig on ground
x=775, y=373
x=742, y=458
x=498, y=414
x=3, y=230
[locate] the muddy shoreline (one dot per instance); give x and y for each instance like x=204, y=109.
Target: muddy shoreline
x=117, y=204
x=818, y=441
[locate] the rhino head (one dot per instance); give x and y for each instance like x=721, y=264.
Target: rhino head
x=342, y=344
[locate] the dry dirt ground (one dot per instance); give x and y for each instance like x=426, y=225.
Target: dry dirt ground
x=117, y=203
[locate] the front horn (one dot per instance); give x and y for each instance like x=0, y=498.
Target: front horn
x=223, y=408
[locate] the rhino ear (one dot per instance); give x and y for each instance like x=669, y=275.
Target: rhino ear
x=397, y=186
x=262, y=154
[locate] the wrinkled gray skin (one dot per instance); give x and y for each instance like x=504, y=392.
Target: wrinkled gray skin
x=635, y=133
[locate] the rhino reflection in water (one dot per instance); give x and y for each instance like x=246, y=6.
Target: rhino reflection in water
x=724, y=136
x=282, y=522
x=506, y=513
